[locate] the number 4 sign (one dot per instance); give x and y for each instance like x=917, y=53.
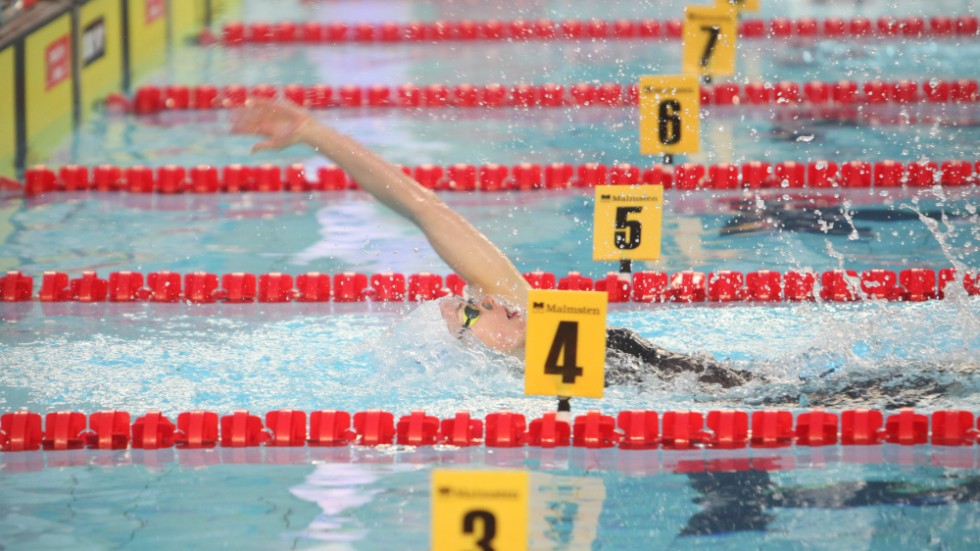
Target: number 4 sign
x=479, y=510
x=627, y=222
x=566, y=343
x=669, y=118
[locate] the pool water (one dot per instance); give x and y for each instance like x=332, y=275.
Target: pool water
x=262, y=357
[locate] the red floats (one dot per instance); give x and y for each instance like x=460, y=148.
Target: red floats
x=238, y=287
x=16, y=287
x=917, y=284
x=505, y=430
x=388, y=287
x=798, y=286
x=860, y=427
x=462, y=430
x=855, y=174
x=424, y=286
x=374, y=427
x=89, y=288
x=200, y=287
x=164, y=287
x=763, y=286
x=241, y=430
x=730, y=429
x=591, y=175
x=204, y=179
x=73, y=178
x=153, y=431
x=906, y=428
x=63, y=430
x=492, y=177
x=526, y=176
x=349, y=287
x=540, y=280
x=726, y=286
x=575, y=281
x=275, y=287
x=640, y=429
x=39, y=180
x=839, y=286
x=548, y=432
x=558, y=175
x=417, y=429
x=816, y=428
x=687, y=286
x=331, y=178
x=312, y=287
x=953, y=428
x=790, y=174
x=196, y=429
x=682, y=429
x=461, y=177
x=595, y=430
x=330, y=428
x=772, y=429
x=126, y=287
x=888, y=174
x=649, y=286
x=20, y=431
x=723, y=176
x=689, y=176
x=821, y=174
x=880, y=284
x=956, y=173
x=922, y=174
x=109, y=430
x=616, y=287
x=287, y=427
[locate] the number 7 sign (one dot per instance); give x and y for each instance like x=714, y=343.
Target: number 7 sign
x=709, y=40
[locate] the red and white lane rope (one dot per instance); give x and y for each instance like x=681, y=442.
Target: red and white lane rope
x=235, y=178
x=641, y=287
x=538, y=30
x=629, y=430
x=150, y=100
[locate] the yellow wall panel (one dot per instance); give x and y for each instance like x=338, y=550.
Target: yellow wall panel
x=8, y=113
x=99, y=46
x=187, y=18
x=147, y=36
x=48, y=85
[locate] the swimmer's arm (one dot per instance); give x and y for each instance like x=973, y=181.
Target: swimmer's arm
x=467, y=251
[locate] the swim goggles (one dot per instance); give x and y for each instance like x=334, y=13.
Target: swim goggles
x=470, y=313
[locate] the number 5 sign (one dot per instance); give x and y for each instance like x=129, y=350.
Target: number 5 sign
x=627, y=222
x=566, y=343
x=669, y=119
x=479, y=510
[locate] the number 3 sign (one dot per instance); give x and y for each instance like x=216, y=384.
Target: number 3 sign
x=566, y=343
x=669, y=119
x=479, y=510
x=627, y=222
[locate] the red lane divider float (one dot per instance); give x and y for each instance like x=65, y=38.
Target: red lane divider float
x=830, y=96
x=905, y=28
x=629, y=430
x=170, y=179
x=911, y=285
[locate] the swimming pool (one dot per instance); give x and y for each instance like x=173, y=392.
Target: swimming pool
x=221, y=357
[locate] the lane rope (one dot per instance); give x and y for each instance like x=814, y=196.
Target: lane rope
x=41, y=180
x=832, y=96
x=540, y=30
x=629, y=430
x=641, y=287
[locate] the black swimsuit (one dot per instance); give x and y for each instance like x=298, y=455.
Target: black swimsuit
x=662, y=362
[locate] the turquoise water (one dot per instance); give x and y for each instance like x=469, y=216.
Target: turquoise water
x=221, y=357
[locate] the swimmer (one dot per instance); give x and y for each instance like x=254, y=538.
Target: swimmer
x=495, y=315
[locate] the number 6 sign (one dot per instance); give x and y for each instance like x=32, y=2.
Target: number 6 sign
x=669, y=118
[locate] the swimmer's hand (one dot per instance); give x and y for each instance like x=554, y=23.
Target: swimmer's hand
x=279, y=121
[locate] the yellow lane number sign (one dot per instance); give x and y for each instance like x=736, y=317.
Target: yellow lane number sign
x=479, y=510
x=566, y=343
x=709, y=40
x=627, y=222
x=669, y=114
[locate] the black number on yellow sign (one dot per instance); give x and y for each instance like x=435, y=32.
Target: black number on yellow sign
x=627, y=235
x=713, y=32
x=670, y=121
x=489, y=523
x=566, y=340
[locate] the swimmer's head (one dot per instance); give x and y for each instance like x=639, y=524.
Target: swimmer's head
x=491, y=320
